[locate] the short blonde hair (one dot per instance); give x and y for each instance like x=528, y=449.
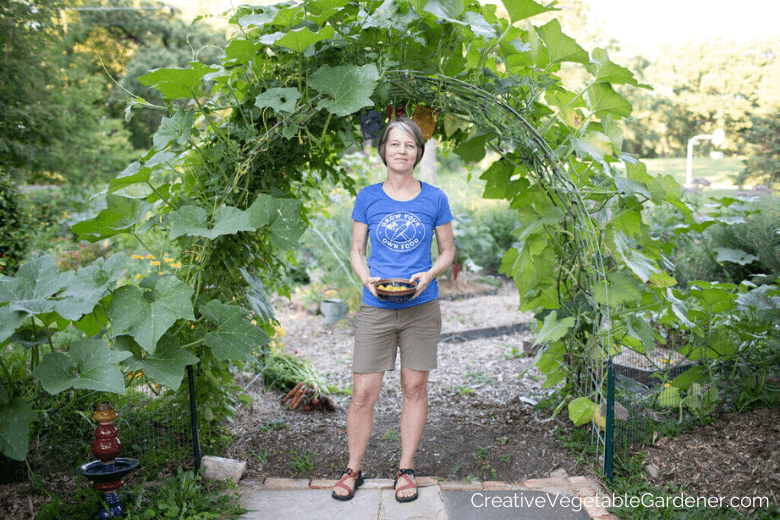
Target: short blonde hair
x=408, y=126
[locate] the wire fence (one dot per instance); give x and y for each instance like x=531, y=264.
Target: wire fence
x=155, y=423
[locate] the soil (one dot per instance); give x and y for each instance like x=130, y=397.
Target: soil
x=481, y=421
x=736, y=456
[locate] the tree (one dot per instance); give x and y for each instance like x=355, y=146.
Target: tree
x=699, y=87
x=28, y=122
x=52, y=126
x=124, y=43
x=763, y=164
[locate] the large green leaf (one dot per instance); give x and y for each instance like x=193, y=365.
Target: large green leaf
x=347, y=88
x=607, y=72
x=522, y=9
x=595, y=145
x=176, y=128
x=193, y=221
x=29, y=293
x=177, y=83
x=603, y=100
x=639, y=328
x=621, y=289
x=90, y=285
x=287, y=227
x=257, y=297
x=322, y=10
x=447, y=10
x=166, y=366
x=554, y=329
x=120, y=216
x=33, y=283
x=16, y=417
x=10, y=320
x=133, y=174
x=238, y=52
x=280, y=99
x=559, y=46
x=235, y=337
x=639, y=264
x=735, y=256
x=147, y=311
x=263, y=211
x=91, y=365
x=474, y=148
x=299, y=39
x=581, y=410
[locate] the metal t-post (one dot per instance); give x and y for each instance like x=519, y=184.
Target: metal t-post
x=609, y=441
x=194, y=419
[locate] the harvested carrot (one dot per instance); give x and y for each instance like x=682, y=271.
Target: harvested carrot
x=292, y=392
x=298, y=396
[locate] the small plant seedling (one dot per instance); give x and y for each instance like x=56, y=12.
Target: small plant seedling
x=302, y=462
x=390, y=435
x=480, y=379
x=272, y=426
x=262, y=457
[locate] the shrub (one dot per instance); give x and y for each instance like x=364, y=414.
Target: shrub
x=759, y=237
x=483, y=235
x=741, y=242
x=15, y=226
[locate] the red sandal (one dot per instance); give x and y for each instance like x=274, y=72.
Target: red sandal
x=348, y=473
x=405, y=474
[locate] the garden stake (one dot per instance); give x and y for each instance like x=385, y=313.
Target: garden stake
x=194, y=419
x=610, y=437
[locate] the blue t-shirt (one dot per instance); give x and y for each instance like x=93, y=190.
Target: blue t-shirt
x=401, y=234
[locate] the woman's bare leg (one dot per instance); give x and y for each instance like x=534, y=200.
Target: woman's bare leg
x=414, y=384
x=360, y=420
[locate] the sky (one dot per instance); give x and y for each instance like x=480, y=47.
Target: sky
x=646, y=24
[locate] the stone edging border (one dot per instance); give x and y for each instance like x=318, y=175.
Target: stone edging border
x=581, y=487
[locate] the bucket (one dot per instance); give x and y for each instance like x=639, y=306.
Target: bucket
x=333, y=310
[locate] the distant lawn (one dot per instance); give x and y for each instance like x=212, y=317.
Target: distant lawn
x=718, y=171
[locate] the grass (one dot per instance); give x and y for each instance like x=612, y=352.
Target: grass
x=720, y=173
x=717, y=171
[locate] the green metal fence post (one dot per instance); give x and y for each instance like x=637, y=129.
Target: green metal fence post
x=194, y=419
x=609, y=440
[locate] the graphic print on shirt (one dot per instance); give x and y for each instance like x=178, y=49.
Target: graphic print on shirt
x=400, y=231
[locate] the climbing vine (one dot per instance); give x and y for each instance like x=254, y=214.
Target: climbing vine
x=246, y=146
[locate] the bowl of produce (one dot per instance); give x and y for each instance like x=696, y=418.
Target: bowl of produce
x=396, y=290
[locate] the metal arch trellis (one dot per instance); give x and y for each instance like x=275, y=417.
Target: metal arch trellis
x=489, y=112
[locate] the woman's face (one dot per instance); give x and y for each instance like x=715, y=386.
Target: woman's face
x=400, y=151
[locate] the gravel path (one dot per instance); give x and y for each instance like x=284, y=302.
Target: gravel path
x=480, y=423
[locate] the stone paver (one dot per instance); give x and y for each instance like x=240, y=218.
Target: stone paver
x=556, y=498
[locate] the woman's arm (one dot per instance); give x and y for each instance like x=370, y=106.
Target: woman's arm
x=357, y=256
x=446, y=246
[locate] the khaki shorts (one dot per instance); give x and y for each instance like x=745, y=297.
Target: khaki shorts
x=380, y=333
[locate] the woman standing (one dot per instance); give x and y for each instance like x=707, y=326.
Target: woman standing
x=400, y=216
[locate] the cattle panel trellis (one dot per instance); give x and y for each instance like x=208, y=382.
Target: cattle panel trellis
x=504, y=118
x=501, y=117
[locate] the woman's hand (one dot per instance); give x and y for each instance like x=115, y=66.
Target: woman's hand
x=371, y=284
x=422, y=279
